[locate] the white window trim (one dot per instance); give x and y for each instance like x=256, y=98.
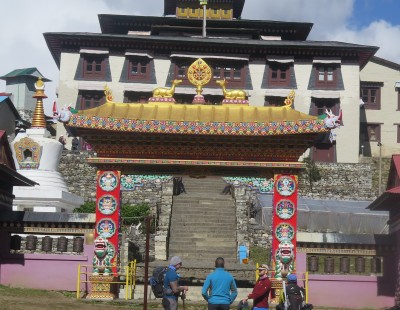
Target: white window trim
x=325, y=94
x=276, y=92
x=322, y=60
x=136, y=53
x=283, y=60
x=194, y=56
x=93, y=51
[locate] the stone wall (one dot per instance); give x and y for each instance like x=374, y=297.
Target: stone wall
x=338, y=181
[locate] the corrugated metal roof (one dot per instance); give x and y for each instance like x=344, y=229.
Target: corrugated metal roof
x=341, y=216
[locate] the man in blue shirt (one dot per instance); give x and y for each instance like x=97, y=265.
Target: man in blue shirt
x=171, y=285
x=220, y=289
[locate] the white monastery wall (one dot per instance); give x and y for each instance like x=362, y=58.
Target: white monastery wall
x=388, y=115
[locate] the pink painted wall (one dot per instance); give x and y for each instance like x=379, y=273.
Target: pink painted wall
x=350, y=291
x=42, y=271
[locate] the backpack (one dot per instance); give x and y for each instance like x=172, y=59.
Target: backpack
x=157, y=281
x=294, y=297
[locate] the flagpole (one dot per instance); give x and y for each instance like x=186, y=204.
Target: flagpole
x=204, y=4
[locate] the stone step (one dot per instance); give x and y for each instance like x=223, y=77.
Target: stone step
x=203, y=222
x=218, y=230
x=208, y=198
x=210, y=216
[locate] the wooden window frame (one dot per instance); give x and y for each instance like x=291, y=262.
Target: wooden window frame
x=398, y=133
x=143, y=65
x=367, y=93
x=274, y=101
x=398, y=99
x=275, y=72
x=377, y=131
x=326, y=82
x=136, y=97
x=91, y=99
x=94, y=66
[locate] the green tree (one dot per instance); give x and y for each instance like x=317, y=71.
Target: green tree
x=312, y=172
x=133, y=214
x=87, y=207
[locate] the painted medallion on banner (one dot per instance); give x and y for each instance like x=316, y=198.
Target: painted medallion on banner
x=106, y=227
x=284, y=231
x=107, y=205
x=108, y=181
x=285, y=209
x=285, y=185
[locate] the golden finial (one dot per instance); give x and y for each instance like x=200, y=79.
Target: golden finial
x=289, y=99
x=39, y=120
x=108, y=93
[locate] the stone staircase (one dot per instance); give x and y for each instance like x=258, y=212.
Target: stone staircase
x=203, y=223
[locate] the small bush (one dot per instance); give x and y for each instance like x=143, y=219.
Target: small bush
x=87, y=207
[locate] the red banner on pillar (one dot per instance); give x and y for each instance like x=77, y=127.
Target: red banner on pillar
x=108, y=201
x=284, y=224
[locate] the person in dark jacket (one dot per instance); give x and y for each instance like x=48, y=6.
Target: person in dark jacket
x=261, y=290
x=219, y=289
x=172, y=288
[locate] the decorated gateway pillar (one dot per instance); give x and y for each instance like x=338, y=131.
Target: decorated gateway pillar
x=284, y=224
x=108, y=201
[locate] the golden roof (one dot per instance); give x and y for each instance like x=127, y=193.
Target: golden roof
x=195, y=112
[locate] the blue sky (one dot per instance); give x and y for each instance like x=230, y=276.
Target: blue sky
x=367, y=11
x=366, y=22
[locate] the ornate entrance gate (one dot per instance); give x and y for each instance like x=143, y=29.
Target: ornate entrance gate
x=231, y=139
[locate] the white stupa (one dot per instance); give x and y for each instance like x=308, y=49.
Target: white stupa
x=37, y=157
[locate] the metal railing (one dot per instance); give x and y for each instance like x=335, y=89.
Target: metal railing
x=126, y=278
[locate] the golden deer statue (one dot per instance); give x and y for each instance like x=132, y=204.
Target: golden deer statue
x=164, y=92
x=231, y=94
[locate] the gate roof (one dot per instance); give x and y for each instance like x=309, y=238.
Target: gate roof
x=182, y=135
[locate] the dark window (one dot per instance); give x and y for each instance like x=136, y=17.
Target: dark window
x=234, y=73
x=137, y=97
x=398, y=133
x=274, y=101
x=326, y=75
x=371, y=132
x=91, y=99
x=94, y=67
x=371, y=96
x=139, y=69
x=398, y=99
x=227, y=72
x=279, y=74
x=323, y=150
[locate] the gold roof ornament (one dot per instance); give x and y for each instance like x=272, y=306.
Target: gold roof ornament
x=39, y=120
x=199, y=74
x=108, y=94
x=289, y=99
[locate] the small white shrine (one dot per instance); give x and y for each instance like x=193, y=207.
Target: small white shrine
x=37, y=156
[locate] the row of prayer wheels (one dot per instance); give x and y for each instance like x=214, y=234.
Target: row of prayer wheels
x=47, y=243
x=344, y=264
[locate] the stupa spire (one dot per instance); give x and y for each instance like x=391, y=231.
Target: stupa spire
x=39, y=120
